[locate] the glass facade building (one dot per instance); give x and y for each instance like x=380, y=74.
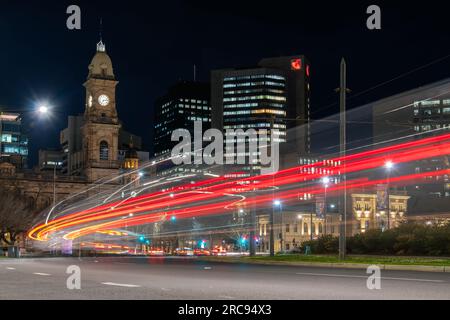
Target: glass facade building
x=13, y=143
x=271, y=97
x=184, y=103
x=415, y=114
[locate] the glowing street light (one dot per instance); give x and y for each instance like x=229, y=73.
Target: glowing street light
x=389, y=165
x=43, y=109
x=326, y=181
x=277, y=203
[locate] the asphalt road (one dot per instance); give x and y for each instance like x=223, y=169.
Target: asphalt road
x=188, y=278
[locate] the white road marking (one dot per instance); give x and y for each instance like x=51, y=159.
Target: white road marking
x=207, y=268
x=41, y=274
x=10, y=268
x=121, y=284
x=226, y=297
x=365, y=277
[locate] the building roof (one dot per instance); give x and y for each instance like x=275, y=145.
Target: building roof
x=101, y=64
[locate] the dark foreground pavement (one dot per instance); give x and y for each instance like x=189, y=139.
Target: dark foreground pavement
x=189, y=278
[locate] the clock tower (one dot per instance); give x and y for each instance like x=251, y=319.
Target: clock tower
x=100, y=132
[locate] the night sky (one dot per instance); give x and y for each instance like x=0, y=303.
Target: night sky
x=154, y=43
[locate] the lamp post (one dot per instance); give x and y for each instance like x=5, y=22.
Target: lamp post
x=326, y=182
x=276, y=203
x=389, y=165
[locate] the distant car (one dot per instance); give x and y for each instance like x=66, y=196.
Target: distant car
x=219, y=251
x=184, y=252
x=202, y=252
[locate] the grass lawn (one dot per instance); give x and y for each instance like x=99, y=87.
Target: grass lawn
x=424, y=261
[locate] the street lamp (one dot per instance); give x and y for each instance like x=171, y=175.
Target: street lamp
x=276, y=203
x=326, y=181
x=389, y=165
x=43, y=109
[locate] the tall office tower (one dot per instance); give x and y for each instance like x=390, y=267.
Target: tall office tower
x=184, y=103
x=274, y=95
x=71, y=145
x=416, y=114
x=13, y=143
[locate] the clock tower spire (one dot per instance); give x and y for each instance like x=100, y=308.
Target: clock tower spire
x=101, y=129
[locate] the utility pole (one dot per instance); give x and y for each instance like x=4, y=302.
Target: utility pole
x=342, y=135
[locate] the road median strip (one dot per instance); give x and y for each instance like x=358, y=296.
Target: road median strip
x=338, y=265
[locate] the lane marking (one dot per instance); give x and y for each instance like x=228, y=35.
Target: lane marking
x=207, y=268
x=121, y=284
x=365, y=277
x=10, y=268
x=41, y=274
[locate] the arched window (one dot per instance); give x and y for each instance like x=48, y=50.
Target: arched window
x=320, y=228
x=104, y=150
x=305, y=227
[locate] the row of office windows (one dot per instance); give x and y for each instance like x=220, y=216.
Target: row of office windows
x=254, y=84
x=257, y=76
x=431, y=103
x=258, y=111
x=197, y=107
x=431, y=111
x=167, y=104
x=250, y=91
x=9, y=138
x=260, y=97
x=256, y=125
x=199, y=119
x=12, y=149
x=429, y=127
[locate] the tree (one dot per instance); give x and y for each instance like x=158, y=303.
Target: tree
x=16, y=215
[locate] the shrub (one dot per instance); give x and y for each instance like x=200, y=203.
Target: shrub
x=407, y=239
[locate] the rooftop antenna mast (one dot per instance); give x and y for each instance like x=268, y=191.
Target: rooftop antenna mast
x=195, y=72
x=101, y=29
x=100, y=45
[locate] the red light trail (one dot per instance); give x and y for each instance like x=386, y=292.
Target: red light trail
x=218, y=195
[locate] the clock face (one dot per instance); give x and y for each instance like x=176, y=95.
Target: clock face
x=103, y=100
